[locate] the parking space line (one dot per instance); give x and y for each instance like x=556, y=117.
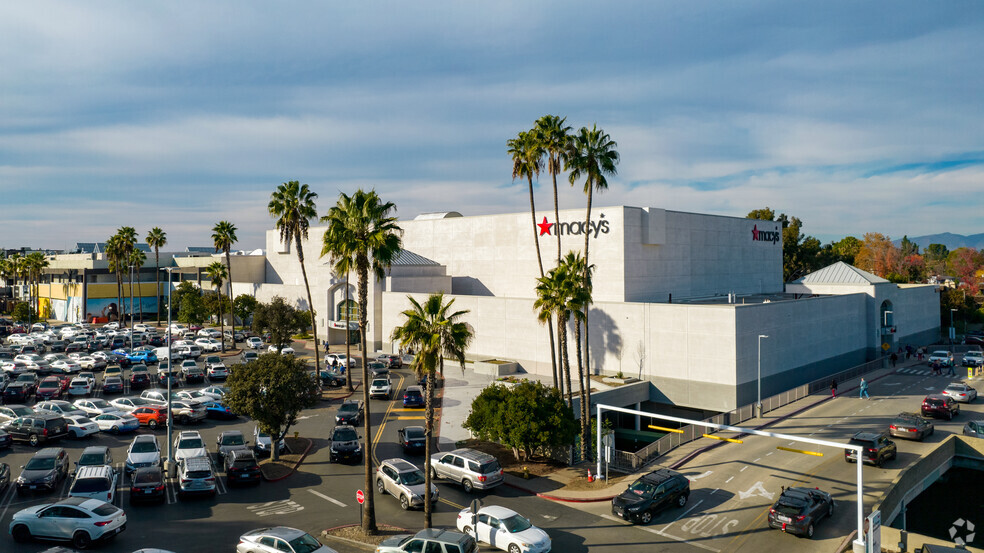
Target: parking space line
x=326, y=498
x=7, y=500
x=661, y=533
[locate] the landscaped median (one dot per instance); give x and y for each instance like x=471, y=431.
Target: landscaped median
x=353, y=534
x=297, y=450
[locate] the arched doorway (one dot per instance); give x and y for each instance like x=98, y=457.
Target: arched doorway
x=349, y=308
x=886, y=325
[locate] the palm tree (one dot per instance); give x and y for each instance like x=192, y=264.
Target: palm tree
x=436, y=333
x=578, y=297
x=293, y=206
x=527, y=153
x=555, y=139
x=127, y=237
x=137, y=260
x=550, y=303
x=591, y=156
x=114, y=256
x=216, y=273
x=342, y=265
x=35, y=262
x=367, y=233
x=156, y=239
x=224, y=236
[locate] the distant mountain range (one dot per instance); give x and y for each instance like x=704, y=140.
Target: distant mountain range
x=948, y=239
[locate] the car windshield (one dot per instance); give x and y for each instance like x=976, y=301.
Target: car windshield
x=190, y=443
x=82, y=420
x=232, y=439
x=380, y=383
x=43, y=463
x=99, y=403
x=89, y=459
x=641, y=488
x=789, y=507
x=346, y=435
x=516, y=523
x=414, y=433
x=144, y=446
x=413, y=478
x=348, y=408
x=305, y=543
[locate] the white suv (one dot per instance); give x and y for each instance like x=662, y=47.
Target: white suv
x=96, y=482
x=189, y=444
x=195, y=476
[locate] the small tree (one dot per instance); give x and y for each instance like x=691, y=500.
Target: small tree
x=192, y=309
x=243, y=307
x=23, y=312
x=529, y=417
x=279, y=319
x=273, y=390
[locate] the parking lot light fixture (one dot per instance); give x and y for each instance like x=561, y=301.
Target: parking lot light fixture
x=758, y=404
x=170, y=418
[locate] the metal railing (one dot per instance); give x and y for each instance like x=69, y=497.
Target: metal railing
x=633, y=461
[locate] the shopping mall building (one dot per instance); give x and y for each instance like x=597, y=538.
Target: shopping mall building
x=680, y=299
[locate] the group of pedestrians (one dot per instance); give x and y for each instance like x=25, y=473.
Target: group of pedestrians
x=863, y=387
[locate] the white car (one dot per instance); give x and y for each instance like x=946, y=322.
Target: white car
x=79, y=520
x=91, y=362
x=973, y=358
x=129, y=404
x=111, y=326
x=95, y=406
x=339, y=359
x=66, y=366
x=381, y=388
x=143, y=452
x=209, y=344
x=91, y=377
x=961, y=392
x=942, y=357
x=217, y=392
x=80, y=426
x=193, y=396
x=254, y=342
x=218, y=371
x=79, y=387
x=58, y=407
x=279, y=539
x=504, y=529
x=116, y=422
x=210, y=333
x=188, y=444
x=287, y=350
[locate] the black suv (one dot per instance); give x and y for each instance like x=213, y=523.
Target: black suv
x=799, y=509
x=44, y=471
x=240, y=466
x=650, y=494
x=38, y=428
x=345, y=445
x=17, y=392
x=877, y=448
x=350, y=412
x=939, y=405
x=911, y=426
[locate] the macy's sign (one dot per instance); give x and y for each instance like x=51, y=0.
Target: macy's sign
x=575, y=228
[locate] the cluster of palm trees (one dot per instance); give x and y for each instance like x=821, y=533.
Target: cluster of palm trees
x=28, y=267
x=588, y=156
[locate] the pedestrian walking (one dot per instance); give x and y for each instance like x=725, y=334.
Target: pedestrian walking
x=950, y=370
x=864, y=389
x=895, y=359
x=936, y=368
x=833, y=388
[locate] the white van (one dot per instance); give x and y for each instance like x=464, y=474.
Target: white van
x=94, y=482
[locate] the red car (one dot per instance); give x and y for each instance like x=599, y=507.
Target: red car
x=49, y=388
x=151, y=416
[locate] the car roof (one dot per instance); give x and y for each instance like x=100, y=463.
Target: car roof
x=49, y=452
x=440, y=534
x=414, y=389
x=94, y=471
x=401, y=465
x=284, y=532
x=473, y=454
x=497, y=511
x=145, y=438
x=937, y=396
x=660, y=475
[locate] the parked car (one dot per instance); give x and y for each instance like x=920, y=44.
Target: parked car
x=262, y=442
x=112, y=385
x=281, y=538
x=80, y=387
x=80, y=426
x=193, y=375
x=798, y=510
x=381, y=388
x=44, y=472
x=428, y=539
x=974, y=428
x=5, y=441
x=13, y=411
x=218, y=410
x=254, y=342
x=973, y=358
x=95, y=406
x=94, y=483
x=940, y=406
x=17, y=393
x=350, y=412
x=195, y=476
x=94, y=456
x=960, y=392
x=79, y=520
x=49, y=388
x=651, y=493
x=504, y=529
x=38, y=428
x=116, y=422
x=139, y=380
x=331, y=379
x=144, y=451
x=911, y=426
x=151, y=416
x=403, y=480
x=217, y=392
x=878, y=448
x=412, y=439
x=229, y=440
x=248, y=356
x=413, y=396
x=128, y=404
x=188, y=444
x=217, y=371
x=241, y=467
x=186, y=412
x=344, y=445
x=147, y=485
x=472, y=469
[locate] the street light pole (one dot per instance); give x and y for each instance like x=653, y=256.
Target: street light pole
x=758, y=404
x=170, y=367
x=131, y=309
x=952, y=331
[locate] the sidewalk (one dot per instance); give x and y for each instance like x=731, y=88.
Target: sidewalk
x=552, y=486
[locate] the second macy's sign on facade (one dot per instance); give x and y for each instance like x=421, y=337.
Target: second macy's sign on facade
x=574, y=228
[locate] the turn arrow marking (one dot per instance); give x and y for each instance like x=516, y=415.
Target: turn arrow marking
x=757, y=489
x=696, y=477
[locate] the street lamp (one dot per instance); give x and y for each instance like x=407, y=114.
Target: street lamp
x=953, y=333
x=170, y=368
x=758, y=404
x=131, y=308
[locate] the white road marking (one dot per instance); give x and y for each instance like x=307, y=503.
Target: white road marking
x=661, y=533
x=730, y=478
x=283, y=507
x=714, y=490
x=325, y=497
x=757, y=460
x=7, y=500
x=756, y=489
x=743, y=468
x=769, y=453
x=699, y=476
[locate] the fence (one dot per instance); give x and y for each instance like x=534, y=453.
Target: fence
x=632, y=461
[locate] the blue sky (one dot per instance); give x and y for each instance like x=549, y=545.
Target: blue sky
x=855, y=117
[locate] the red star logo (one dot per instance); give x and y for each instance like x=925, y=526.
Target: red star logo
x=544, y=227
x=755, y=232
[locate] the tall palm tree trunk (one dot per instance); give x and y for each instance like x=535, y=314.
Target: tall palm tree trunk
x=585, y=422
x=140, y=299
x=307, y=287
x=157, y=270
x=428, y=435
x=369, y=512
x=539, y=262
x=232, y=323
x=587, y=304
x=348, y=338
x=566, y=359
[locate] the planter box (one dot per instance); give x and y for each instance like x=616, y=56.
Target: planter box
x=495, y=367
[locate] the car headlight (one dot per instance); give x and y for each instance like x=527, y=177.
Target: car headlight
x=21, y=480
x=358, y=448
x=49, y=478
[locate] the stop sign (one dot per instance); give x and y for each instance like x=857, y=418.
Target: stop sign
x=360, y=497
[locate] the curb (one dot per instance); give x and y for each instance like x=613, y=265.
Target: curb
x=326, y=535
x=346, y=396
x=297, y=464
x=693, y=454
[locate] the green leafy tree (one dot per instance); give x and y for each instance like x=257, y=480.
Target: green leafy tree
x=279, y=319
x=22, y=311
x=292, y=204
x=273, y=390
x=847, y=248
x=156, y=239
x=243, y=306
x=363, y=230
x=528, y=418
x=192, y=309
x=216, y=273
x=434, y=331
x=223, y=237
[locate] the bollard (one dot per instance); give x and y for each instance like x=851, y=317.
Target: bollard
x=296, y=433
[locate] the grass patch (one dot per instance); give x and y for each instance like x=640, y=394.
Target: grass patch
x=355, y=533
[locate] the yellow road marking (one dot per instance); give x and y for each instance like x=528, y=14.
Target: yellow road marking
x=418, y=410
x=379, y=429
x=451, y=503
x=410, y=418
